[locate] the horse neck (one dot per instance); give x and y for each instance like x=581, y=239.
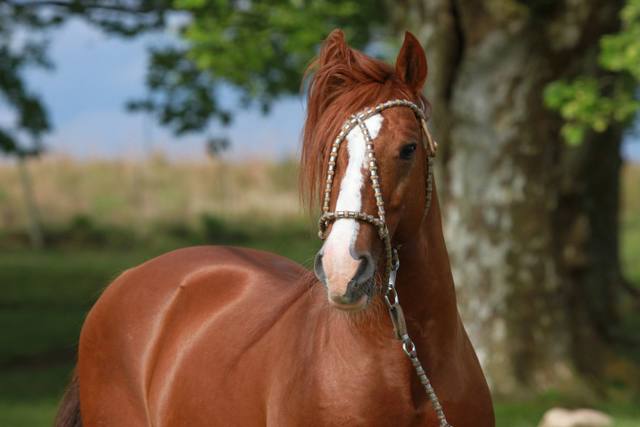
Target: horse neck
x=426, y=292
x=425, y=284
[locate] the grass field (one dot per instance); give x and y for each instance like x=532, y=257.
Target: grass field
x=630, y=223
x=45, y=295
x=41, y=324
x=143, y=193
x=44, y=301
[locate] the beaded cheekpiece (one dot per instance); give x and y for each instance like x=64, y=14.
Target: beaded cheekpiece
x=379, y=222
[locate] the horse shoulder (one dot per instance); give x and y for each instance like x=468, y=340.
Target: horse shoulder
x=144, y=318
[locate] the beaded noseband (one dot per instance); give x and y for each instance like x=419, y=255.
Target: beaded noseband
x=379, y=222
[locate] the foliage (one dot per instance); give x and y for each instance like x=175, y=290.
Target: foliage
x=16, y=54
x=259, y=48
x=594, y=103
x=24, y=27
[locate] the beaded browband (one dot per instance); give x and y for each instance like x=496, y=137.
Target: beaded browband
x=379, y=222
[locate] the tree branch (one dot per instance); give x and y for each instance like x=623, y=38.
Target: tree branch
x=74, y=6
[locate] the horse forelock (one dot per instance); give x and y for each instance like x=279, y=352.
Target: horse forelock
x=340, y=85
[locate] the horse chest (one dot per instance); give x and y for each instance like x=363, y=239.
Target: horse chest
x=351, y=386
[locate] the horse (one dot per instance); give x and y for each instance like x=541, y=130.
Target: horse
x=225, y=336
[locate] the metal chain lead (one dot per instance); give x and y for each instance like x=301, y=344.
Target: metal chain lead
x=409, y=348
x=392, y=261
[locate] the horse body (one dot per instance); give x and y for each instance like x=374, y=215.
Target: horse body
x=211, y=332
x=216, y=336
x=225, y=336
x=173, y=326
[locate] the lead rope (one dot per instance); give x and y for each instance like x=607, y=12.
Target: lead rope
x=400, y=328
x=392, y=260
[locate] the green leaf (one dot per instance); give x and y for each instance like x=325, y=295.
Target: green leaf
x=573, y=134
x=590, y=102
x=189, y=4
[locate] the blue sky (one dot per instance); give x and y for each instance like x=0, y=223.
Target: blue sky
x=96, y=74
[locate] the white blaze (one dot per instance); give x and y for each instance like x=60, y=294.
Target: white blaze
x=338, y=263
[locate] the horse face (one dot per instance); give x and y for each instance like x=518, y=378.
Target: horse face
x=353, y=252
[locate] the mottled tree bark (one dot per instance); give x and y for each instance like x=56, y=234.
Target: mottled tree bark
x=531, y=224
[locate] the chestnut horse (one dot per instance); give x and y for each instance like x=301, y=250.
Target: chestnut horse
x=222, y=336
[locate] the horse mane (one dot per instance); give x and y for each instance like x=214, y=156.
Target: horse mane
x=343, y=81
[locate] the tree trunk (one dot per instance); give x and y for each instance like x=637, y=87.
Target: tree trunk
x=33, y=217
x=531, y=224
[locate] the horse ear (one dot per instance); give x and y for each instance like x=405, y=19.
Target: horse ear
x=333, y=70
x=411, y=64
x=335, y=49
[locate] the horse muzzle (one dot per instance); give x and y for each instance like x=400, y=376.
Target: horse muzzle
x=348, y=279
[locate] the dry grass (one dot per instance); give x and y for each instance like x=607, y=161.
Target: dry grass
x=138, y=193
x=155, y=190
x=630, y=223
x=631, y=191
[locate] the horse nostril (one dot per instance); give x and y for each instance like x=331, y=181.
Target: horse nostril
x=365, y=269
x=318, y=268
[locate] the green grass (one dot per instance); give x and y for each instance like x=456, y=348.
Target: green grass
x=29, y=394
x=44, y=299
x=528, y=413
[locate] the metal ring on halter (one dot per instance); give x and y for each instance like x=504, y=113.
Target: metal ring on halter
x=408, y=346
x=396, y=260
x=391, y=297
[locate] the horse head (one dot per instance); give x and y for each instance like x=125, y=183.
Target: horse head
x=365, y=157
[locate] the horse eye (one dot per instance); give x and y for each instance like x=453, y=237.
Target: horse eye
x=406, y=152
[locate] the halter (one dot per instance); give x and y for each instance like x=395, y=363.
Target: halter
x=379, y=222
